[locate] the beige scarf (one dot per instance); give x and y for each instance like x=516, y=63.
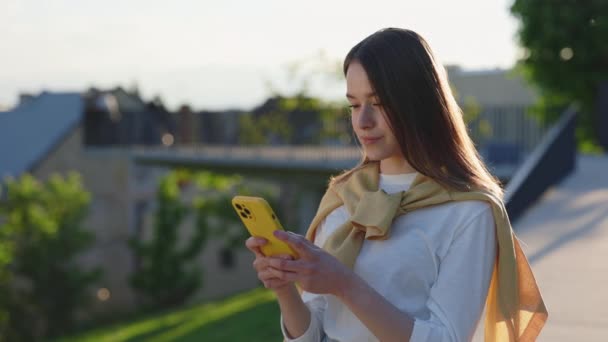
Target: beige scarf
x=514, y=308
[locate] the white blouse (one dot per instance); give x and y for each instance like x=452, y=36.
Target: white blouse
x=435, y=266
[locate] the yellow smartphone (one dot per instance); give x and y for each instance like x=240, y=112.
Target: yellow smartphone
x=261, y=221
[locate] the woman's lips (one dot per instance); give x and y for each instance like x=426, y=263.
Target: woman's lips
x=369, y=140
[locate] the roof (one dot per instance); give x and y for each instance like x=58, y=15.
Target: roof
x=492, y=87
x=31, y=130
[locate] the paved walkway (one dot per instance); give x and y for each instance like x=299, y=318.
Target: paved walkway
x=565, y=236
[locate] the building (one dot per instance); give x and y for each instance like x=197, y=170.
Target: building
x=498, y=100
x=95, y=134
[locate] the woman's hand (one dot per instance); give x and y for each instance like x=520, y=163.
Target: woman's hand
x=296, y=315
x=316, y=271
x=261, y=265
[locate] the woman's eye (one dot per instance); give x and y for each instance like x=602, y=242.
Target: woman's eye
x=353, y=106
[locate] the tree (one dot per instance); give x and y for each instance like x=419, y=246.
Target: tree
x=214, y=209
x=297, y=116
x=164, y=277
x=167, y=274
x=566, y=56
x=268, y=128
x=41, y=234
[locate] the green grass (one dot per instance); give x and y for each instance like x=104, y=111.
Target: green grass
x=250, y=316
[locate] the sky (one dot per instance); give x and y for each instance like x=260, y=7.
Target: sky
x=227, y=54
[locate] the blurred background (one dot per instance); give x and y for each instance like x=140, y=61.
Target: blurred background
x=126, y=127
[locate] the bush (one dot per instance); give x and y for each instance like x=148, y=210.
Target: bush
x=163, y=278
x=41, y=234
x=167, y=275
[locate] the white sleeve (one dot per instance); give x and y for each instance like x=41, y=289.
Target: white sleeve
x=457, y=298
x=315, y=303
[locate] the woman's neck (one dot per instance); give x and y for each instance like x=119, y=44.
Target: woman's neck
x=393, y=166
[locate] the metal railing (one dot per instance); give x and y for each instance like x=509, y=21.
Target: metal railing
x=553, y=159
x=507, y=124
x=256, y=152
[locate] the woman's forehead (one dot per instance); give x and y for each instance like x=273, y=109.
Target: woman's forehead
x=357, y=82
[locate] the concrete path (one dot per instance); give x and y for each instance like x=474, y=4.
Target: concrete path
x=565, y=236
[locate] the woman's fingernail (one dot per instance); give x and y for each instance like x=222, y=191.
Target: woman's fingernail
x=279, y=234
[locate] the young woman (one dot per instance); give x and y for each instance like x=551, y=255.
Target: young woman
x=413, y=242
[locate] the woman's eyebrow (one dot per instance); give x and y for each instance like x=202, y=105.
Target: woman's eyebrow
x=368, y=95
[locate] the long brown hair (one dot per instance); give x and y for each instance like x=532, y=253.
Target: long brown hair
x=421, y=110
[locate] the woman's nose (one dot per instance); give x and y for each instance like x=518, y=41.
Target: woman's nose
x=366, y=117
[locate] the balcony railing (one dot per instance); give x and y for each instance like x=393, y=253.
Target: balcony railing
x=552, y=160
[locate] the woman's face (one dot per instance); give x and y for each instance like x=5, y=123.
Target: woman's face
x=369, y=120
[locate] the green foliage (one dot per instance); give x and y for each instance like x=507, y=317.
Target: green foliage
x=296, y=120
x=272, y=126
x=297, y=117
x=163, y=278
x=251, y=316
x=480, y=128
x=566, y=56
x=41, y=234
x=214, y=208
x=334, y=119
x=167, y=274
x=471, y=109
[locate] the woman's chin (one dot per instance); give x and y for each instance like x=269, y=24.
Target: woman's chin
x=374, y=156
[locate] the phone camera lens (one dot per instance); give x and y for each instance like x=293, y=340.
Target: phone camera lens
x=247, y=211
x=238, y=206
x=244, y=215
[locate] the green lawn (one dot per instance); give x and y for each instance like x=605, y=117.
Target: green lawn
x=250, y=316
